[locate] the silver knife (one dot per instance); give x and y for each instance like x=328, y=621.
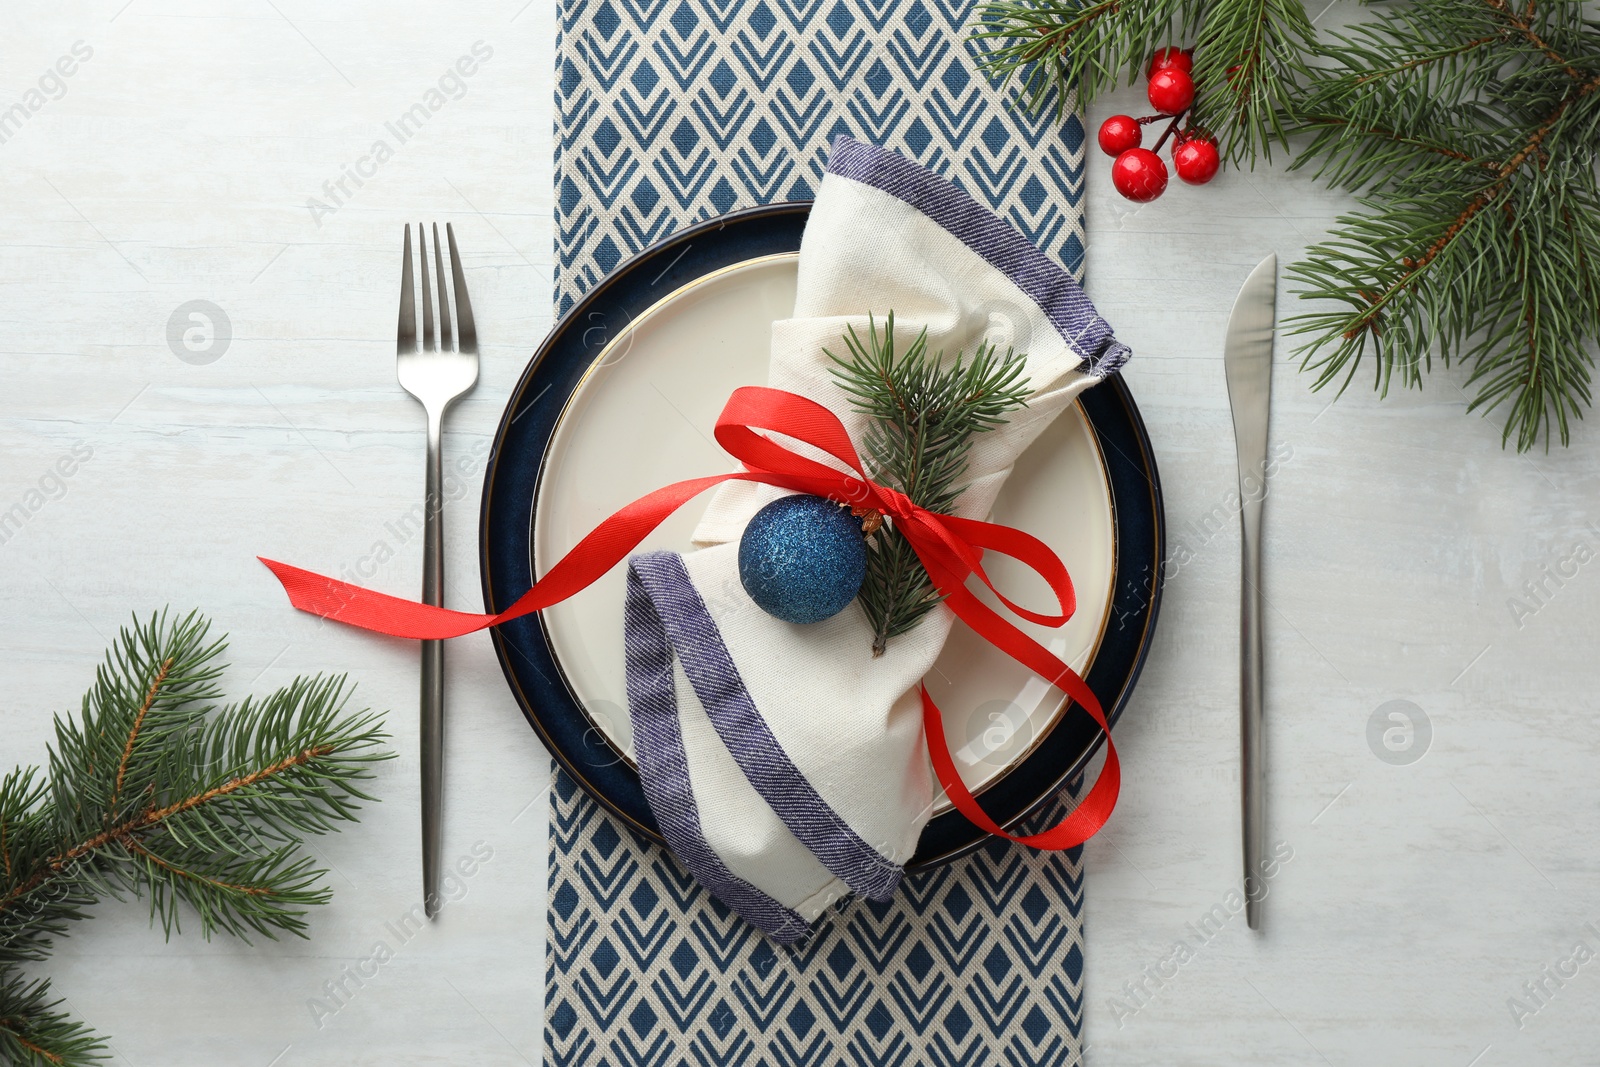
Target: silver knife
x=1247, y=356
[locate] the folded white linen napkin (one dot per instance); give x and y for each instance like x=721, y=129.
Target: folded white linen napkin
x=785, y=764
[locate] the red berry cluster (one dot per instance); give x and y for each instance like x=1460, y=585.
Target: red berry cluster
x=1138, y=173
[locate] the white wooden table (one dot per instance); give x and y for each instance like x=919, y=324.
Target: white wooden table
x=178, y=166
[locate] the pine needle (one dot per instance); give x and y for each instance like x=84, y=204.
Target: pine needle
x=1469, y=130
x=924, y=413
x=1248, y=56
x=155, y=790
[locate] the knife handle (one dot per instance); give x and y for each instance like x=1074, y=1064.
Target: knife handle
x=1252, y=764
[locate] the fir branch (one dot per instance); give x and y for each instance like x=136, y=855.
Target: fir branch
x=1248, y=56
x=155, y=790
x=1056, y=49
x=1522, y=25
x=1249, y=59
x=1433, y=58
x=138, y=722
x=1470, y=130
x=1061, y=48
x=924, y=413
x=34, y=1032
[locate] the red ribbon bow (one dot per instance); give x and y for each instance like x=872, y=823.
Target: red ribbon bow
x=949, y=547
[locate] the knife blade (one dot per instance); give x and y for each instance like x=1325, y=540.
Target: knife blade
x=1247, y=359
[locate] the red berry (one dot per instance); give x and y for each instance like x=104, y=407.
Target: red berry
x=1181, y=58
x=1196, y=160
x=1119, y=133
x=1139, y=175
x=1171, y=91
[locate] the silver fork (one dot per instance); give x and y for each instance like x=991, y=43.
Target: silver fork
x=436, y=373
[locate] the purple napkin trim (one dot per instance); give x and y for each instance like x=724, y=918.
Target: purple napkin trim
x=694, y=637
x=1057, y=293
x=664, y=768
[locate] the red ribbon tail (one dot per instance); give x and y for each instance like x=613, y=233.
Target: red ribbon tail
x=1080, y=824
x=372, y=610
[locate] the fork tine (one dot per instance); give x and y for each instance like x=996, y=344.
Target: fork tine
x=468, y=329
x=427, y=292
x=406, y=335
x=444, y=301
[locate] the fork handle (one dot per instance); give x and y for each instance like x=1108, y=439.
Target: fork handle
x=433, y=672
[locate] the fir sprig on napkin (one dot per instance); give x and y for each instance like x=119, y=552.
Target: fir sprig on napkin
x=924, y=413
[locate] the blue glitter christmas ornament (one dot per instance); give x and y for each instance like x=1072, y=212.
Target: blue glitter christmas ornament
x=802, y=558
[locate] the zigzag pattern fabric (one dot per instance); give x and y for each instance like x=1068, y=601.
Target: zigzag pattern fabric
x=672, y=111
x=978, y=963
x=669, y=112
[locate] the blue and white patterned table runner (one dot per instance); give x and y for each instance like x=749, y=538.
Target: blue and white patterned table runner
x=670, y=111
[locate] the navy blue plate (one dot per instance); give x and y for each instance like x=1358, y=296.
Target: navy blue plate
x=511, y=485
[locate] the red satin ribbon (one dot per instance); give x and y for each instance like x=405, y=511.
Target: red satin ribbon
x=949, y=547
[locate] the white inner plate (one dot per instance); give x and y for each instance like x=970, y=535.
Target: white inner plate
x=642, y=418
